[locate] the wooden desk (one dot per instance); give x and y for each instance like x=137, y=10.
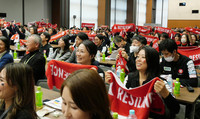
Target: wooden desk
x=107, y=62
x=50, y=94
x=55, y=46
x=22, y=49
x=189, y=99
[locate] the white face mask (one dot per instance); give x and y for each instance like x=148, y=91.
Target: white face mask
x=183, y=40
x=169, y=59
x=134, y=49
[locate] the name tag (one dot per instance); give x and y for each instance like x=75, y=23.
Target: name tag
x=167, y=68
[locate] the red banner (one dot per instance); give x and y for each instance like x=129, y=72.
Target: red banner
x=122, y=63
x=58, y=71
x=193, y=54
x=57, y=36
x=162, y=29
x=149, y=38
x=40, y=30
x=119, y=27
x=196, y=31
x=142, y=99
x=89, y=25
x=91, y=36
x=144, y=29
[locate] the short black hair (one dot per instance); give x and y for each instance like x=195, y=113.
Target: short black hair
x=47, y=35
x=118, y=39
x=139, y=38
x=100, y=36
x=168, y=44
x=83, y=36
x=164, y=35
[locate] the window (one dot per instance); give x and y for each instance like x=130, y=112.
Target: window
x=118, y=12
x=89, y=9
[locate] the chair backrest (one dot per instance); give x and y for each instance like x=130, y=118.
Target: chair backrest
x=43, y=84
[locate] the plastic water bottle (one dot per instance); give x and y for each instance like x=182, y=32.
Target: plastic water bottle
x=177, y=87
x=45, y=56
x=50, y=51
x=118, y=71
x=10, y=52
x=38, y=96
x=132, y=114
x=113, y=68
x=103, y=56
x=98, y=56
x=115, y=115
x=170, y=82
x=18, y=45
x=15, y=55
x=122, y=75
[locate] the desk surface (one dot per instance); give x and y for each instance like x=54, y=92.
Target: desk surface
x=54, y=45
x=188, y=97
x=107, y=62
x=13, y=47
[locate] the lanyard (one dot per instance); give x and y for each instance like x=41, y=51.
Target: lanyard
x=26, y=62
x=5, y=113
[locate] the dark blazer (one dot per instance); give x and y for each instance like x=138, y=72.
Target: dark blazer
x=37, y=61
x=5, y=59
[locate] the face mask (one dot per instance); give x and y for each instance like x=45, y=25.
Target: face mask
x=169, y=59
x=134, y=49
x=183, y=40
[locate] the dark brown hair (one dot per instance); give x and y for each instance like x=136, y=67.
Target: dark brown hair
x=21, y=76
x=89, y=93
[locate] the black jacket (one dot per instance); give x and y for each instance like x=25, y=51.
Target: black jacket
x=37, y=61
x=183, y=69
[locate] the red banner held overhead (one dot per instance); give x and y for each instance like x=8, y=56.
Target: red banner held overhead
x=40, y=30
x=119, y=27
x=58, y=71
x=91, y=36
x=144, y=29
x=58, y=35
x=89, y=25
x=149, y=38
x=196, y=31
x=142, y=99
x=162, y=29
x=193, y=54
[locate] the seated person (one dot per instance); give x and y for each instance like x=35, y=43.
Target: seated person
x=176, y=64
x=17, y=92
x=194, y=40
x=5, y=57
x=164, y=36
x=79, y=39
x=99, y=43
x=85, y=96
x=122, y=44
x=86, y=53
x=45, y=43
x=33, y=30
x=185, y=40
x=137, y=42
x=35, y=58
x=147, y=64
x=62, y=53
x=177, y=39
